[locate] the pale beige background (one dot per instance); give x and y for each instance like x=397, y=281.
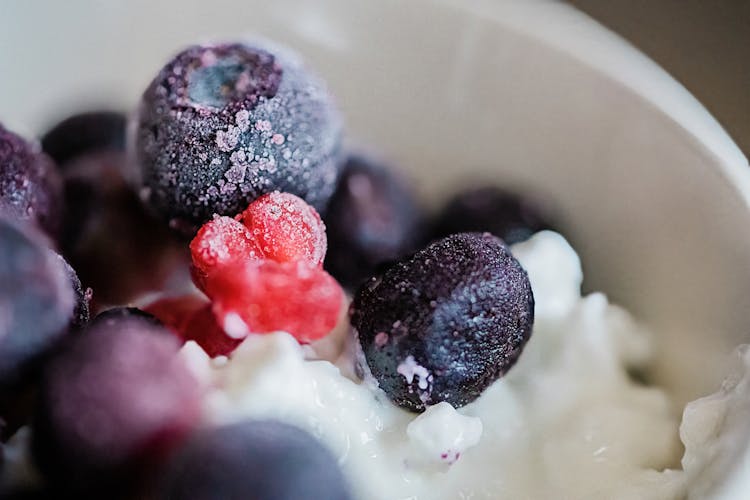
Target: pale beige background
x=704, y=44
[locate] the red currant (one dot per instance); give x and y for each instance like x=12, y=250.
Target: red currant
x=219, y=242
x=286, y=228
x=268, y=296
x=191, y=318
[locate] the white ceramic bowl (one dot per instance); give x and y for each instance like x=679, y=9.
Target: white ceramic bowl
x=533, y=94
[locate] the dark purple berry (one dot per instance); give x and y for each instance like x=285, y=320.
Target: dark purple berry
x=263, y=460
x=117, y=247
x=221, y=125
x=36, y=312
x=30, y=186
x=115, y=400
x=36, y=300
x=445, y=323
x=372, y=218
x=85, y=133
x=81, y=313
x=507, y=215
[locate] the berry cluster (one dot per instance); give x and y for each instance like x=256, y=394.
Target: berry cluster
x=238, y=148
x=262, y=272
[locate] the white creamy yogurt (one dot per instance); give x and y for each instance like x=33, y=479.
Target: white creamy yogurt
x=566, y=422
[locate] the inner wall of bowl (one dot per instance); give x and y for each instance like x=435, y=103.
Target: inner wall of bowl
x=455, y=98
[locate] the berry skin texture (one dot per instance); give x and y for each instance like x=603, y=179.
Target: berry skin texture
x=445, y=323
x=81, y=311
x=221, y=125
x=85, y=133
x=203, y=328
x=372, y=218
x=30, y=186
x=115, y=399
x=191, y=318
x=260, y=459
x=219, y=242
x=286, y=228
x=117, y=247
x=509, y=216
x=267, y=296
x=36, y=300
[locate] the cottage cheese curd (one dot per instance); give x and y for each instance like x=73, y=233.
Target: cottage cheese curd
x=568, y=421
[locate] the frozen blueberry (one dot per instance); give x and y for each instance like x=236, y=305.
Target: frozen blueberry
x=112, y=403
x=263, y=460
x=85, y=133
x=115, y=244
x=372, y=218
x=30, y=186
x=445, y=323
x=511, y=217
x=36, y=300
x=221, y=125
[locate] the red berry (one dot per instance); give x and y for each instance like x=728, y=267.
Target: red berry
x=191, y=318
x=203, y=328
x=218, y=242
x=286, y=228
x=268, y=296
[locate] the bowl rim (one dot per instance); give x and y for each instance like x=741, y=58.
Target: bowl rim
x=563, y=28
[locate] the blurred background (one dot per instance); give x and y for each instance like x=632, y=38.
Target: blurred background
x=704, y=44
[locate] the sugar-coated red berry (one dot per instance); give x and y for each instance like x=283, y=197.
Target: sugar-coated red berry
x=191, y=317
x=268, y=296
x=218, y=242
x=286, y=228
x=30, y=186
x=223, y=124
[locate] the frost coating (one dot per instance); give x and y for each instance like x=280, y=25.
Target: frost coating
x=566, y=422
x=30, y=185
x=221, y=125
